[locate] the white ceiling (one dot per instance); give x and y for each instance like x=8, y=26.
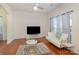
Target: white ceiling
x=47, y=7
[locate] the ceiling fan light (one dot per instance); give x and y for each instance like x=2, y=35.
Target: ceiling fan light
x=37, y=4
x=35, y=8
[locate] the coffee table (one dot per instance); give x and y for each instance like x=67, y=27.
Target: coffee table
x=31, y=42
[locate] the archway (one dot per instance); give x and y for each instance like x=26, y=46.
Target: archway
x=9, y=23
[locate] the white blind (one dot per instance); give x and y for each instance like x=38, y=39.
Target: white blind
x=66, y=23
x=53, y=24
x=56, y=23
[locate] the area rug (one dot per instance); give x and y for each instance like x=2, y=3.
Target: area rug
x=38, y=49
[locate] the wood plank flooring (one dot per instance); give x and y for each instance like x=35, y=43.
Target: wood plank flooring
x=12, y=48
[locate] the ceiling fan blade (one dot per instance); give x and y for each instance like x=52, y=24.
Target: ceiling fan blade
x=40, y=7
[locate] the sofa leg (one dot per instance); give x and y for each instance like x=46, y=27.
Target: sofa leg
x=62, y=50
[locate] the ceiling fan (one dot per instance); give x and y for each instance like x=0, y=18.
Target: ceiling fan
x=36, y=6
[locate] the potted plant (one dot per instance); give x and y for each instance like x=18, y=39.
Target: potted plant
x=31, y=40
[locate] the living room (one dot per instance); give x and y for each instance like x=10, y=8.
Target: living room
x=22, y=15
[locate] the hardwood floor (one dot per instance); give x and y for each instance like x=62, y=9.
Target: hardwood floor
x=3, y=43
x=12, y=48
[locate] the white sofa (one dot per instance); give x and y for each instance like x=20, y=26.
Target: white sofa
x=52, y=38
x=57, y=42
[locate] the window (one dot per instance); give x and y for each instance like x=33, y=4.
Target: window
x=62, y=24
x=56, y=23
x=53, y=24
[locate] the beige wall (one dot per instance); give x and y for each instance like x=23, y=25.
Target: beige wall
x=21, y=19
x=75, y=21
x=4, y=15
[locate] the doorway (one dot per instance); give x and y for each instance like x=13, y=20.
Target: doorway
x=1, y=28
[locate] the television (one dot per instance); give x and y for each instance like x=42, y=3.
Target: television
x=33, y=29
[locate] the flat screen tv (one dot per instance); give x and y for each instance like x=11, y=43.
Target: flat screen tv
x=33, y=29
